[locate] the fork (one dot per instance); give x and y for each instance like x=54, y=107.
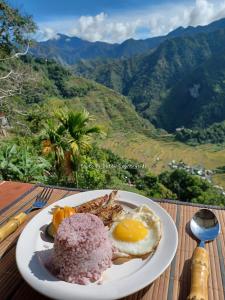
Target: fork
x=14, y=222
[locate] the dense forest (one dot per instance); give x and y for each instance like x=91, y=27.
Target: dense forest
x=182, y=77
x=214, y=134
x=50, y=134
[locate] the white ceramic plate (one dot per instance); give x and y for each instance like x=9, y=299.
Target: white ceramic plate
x=119, y=280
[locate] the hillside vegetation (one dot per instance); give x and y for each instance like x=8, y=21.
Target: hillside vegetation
x=157, y=153
x=57, y=127
x=213, y=134
x=183, y=77
x=54, y=86
x=127, y=134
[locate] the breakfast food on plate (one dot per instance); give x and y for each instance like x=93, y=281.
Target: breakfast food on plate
x=82, y=249
x=59, y=214
x=105, y=207
x=136, y=233
x=88, y=237
x=96, y=203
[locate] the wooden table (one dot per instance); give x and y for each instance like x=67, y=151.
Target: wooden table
x=173, y=284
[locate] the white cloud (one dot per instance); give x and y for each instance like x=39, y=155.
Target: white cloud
x=103, y=28
x=157, y=20
x=47, y=33
x=202, y=12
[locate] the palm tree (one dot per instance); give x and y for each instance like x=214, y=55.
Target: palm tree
x=79, y=133
x=70, y=139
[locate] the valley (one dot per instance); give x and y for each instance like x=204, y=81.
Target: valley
x=156, y=153
x=123, y=106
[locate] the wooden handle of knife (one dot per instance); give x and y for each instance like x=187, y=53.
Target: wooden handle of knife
x=12, y=225
x=199, y=275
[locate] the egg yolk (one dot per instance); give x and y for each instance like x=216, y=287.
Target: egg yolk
x=130, y=230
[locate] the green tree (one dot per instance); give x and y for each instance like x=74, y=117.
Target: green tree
x=15, y=39
x=69, y=139
x=15, y=29
x=54, y=145
x=79, y=132
x=153, y=187
x=91, y=175
x=187, y=187
x=36, y=117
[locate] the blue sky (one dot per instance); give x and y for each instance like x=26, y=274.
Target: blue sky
x=44, y=10
x=118, y=20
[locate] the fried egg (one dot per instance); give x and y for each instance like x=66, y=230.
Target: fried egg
x=136, y=233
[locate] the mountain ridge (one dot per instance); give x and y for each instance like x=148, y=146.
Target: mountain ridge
x=69, y=50
x=55, y=86
x=150, y=80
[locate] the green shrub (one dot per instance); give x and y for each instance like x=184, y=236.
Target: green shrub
x=22, y=164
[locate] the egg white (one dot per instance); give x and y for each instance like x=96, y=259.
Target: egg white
x=150, y=221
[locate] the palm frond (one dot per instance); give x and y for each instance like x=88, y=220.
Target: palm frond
x=93, y=129
x=61, y=115
x=60, y=130
x=74, y=147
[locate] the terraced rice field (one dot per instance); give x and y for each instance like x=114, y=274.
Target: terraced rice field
x=219, y=179
x=157, y=153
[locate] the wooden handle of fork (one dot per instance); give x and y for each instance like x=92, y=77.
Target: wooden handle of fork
x=199, y=275
x=12, y=225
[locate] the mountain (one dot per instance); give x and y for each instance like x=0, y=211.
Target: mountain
x=200, y=94
x=55, y=85
x=69, y=50
x=191, y=31
x=52, y=85
x=183, y=77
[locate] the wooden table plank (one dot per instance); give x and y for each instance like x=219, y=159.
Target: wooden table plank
x=25, y=203
x=174, y=283
x=10, y=190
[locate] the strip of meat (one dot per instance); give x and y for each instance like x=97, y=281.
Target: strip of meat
x=105, y=207
x=92, y=205
x=96, y=203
